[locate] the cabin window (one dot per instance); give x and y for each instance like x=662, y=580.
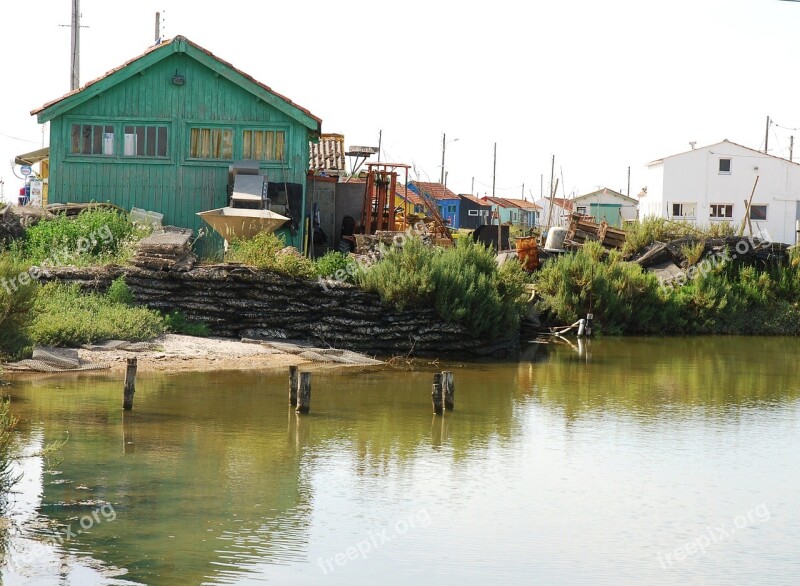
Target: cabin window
x=211, y=143
x=451, y=208
x=758, y=212
x=721, y=211
x=145, y=141
x=582, y=210
x=724, y=166
x=264, y=145
x=684, y=211
x=92, y=139
x=473, y=212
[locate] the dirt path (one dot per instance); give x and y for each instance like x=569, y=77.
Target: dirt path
x=174, y=353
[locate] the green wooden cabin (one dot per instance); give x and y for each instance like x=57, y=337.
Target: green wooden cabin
x=160, y=132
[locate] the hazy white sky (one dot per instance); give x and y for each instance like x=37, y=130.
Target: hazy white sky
x=602, y=85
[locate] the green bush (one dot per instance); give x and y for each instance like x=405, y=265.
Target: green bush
x=17, y=296
x=623, y=297
x=463, y=283
x=177, y=323
x=262, y=252
x=337, y=266
x=95, y=236
x=67, y=317
x=119, y=292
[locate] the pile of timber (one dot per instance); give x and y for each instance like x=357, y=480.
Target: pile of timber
x=168, y=250
x=744, y=249
x=582, y=230
x=242, y=302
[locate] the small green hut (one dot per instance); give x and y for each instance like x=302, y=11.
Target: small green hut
x=160, y=132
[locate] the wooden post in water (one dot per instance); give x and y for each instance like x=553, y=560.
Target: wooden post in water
x=448, y=390
x=130, y=385
x=304, y=393
x=436, y=393
x=293, y=383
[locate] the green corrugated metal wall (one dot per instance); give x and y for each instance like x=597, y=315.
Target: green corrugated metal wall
x=175, y=187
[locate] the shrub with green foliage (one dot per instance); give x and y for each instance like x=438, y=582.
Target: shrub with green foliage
x=726, y=297
x=337, y=266
x=95, y=236
x=17, y=296
x=264, y=252
x=119, y=292
x=67, y=317
x=463, y=283
x=650, y=229
x=177, y=323
x=622, y=296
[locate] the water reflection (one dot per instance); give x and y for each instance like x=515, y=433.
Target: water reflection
x=214, y=479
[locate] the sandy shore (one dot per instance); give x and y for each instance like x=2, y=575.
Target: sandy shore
x=174, y=353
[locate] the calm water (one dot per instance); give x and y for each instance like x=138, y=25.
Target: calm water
x=639, y=461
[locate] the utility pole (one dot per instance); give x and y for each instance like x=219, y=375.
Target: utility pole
x=442, y=179
x=629, y=181
x=523, y=192
x=766, y=137
x=472, y=190
x=552, y=175
x=75, y=58
x=380, y=139
x=158, y=28
x=791, y=148
x=541, y=185
x=499, y=223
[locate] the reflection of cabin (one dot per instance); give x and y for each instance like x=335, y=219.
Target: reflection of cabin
x=160, y=132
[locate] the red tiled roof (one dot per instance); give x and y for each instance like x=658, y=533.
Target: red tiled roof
x=412, y=197
x=521, y=203
x=434, y=190
x=199, y=48
x=564, y=203
x=473, y=199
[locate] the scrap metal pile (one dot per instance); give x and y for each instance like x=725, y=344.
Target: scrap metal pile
x=583, y=229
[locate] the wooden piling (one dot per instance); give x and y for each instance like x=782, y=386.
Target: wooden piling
x=304, y=393
x=436, y=397
x=130, y=385
x=293, y=384
x=448, y=390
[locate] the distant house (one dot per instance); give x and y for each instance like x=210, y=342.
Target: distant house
x=607, y=205
x=447, y=202
x=473, y=212
x=713, y=185
x=555, y=212
x=514, y=212
x=527, y=213
x=406, y=198
x=160, y=132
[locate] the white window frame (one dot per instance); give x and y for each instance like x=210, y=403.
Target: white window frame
x=683, y=215
x=715, y=217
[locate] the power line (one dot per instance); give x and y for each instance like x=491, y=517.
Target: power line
x=19, y=139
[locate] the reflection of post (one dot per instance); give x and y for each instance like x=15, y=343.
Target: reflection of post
x=130, y=385
x=304, y=393
x=437, y=431
x=128, y=433
x=293, y=386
